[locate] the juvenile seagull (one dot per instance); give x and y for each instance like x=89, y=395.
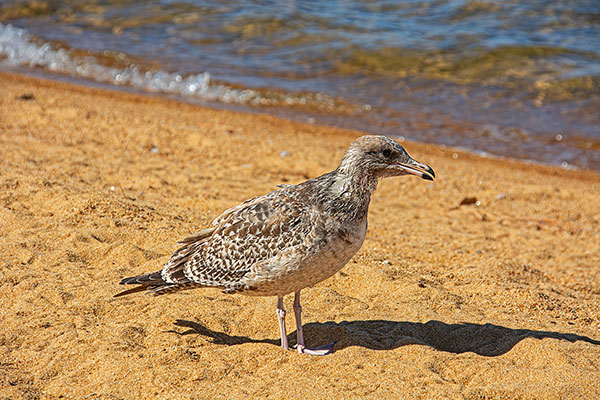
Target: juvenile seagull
x=289, y=239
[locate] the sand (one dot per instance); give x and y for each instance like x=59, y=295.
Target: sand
x=494, y=299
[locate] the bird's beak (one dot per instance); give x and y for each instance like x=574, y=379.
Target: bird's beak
x=416, y=168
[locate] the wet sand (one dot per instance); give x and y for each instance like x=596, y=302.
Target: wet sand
x=495, y=299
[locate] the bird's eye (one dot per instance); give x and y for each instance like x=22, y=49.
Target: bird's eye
x=386, y=153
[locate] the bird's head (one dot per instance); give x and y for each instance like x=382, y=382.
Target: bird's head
x=380, y=157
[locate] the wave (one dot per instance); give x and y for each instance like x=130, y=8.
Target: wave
x=19, y=48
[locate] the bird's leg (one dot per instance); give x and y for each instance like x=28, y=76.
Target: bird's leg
x=319, y=351
x=298, y=314
x=281, y=319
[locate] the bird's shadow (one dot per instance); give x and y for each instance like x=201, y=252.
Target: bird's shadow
x=484, y=339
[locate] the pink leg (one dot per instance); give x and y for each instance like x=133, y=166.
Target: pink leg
x=281, y=319
x=298, y=314
x=319, y=351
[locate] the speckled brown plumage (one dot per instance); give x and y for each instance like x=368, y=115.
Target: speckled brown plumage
x=291, y=238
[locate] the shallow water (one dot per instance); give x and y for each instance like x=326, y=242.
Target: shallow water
x=500, y=77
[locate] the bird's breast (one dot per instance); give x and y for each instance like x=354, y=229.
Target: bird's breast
x=313, y=263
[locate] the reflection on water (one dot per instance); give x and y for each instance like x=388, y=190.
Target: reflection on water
x=512, y=78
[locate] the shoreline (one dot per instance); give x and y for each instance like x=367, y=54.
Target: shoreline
x=111, y=90
x=443, y=300
x=296, y=116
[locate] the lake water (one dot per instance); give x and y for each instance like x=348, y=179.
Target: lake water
x=510, y=78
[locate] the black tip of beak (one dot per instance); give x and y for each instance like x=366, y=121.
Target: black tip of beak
x=427, y=177
x=430, y=170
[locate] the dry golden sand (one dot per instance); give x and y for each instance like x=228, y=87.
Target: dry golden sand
x=500, y=300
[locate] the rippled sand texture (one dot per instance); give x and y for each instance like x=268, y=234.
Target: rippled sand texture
x=496, y=300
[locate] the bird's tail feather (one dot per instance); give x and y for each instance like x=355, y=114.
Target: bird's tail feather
x=132, y=290
x=152, y=282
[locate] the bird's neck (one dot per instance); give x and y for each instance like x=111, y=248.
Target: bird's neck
x=359, y=183
x=350, y=192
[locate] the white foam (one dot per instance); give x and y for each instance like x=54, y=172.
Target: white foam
x=18, y=48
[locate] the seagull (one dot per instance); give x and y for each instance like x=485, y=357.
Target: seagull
x=289, y=239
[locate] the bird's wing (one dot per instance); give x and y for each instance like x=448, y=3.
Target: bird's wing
x=252, y=232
